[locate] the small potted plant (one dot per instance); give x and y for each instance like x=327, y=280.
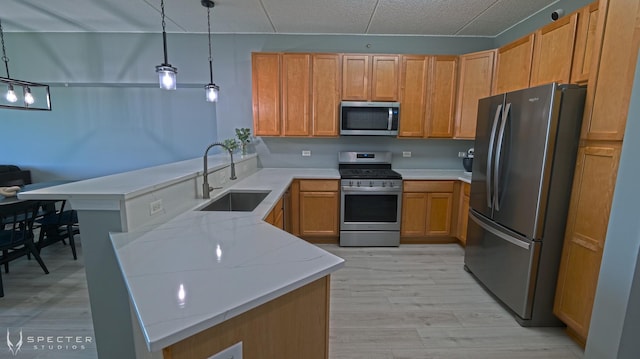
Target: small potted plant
x=244, y=135
x=231, y=144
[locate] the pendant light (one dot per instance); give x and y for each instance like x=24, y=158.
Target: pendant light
x=211, y=89
x=10, y=98
x=166, y=72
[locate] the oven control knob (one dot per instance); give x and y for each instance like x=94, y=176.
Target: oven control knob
x=358, y=183
x=390, y=184
x=370, y=183
x=350, y=183
x=384, y=184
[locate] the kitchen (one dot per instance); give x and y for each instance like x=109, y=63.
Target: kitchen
x=97, y=123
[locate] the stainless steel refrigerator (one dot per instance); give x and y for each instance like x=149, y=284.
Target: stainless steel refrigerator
x=525, y=152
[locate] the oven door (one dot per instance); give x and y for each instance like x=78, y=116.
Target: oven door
x=370, y=208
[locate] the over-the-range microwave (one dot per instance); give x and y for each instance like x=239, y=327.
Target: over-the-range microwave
x=369, y=118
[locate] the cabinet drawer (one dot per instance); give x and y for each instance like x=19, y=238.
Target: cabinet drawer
x=318, y=185
x=428, y=186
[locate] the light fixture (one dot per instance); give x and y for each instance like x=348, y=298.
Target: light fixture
x=211, y=89
x=166, y=72
x=10, y=99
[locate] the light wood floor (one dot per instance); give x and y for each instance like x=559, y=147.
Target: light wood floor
x=412, y=302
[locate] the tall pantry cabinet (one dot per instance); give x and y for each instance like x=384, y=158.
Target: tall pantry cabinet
x=615, y=50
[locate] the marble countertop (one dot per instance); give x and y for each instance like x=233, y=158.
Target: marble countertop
x=201, y=268
x=429, y=174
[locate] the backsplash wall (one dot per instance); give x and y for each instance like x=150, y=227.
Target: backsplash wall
x=429, y=153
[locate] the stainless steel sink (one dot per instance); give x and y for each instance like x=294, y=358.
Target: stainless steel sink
x=237, y=201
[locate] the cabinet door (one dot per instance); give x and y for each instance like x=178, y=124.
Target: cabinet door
x=463, y=213
x=476, y=74
x=439, y=206
x=587, y=221
x=384, y=78
x=318, y=213
x=609, y=91
x=553, y=51
x=414, y=214
x=325, y=94
x=296, y=89
x=513, y=65
x=355, y=77
x=585, y=41
x=265, y=78
x=413, y=95
x=442, y=96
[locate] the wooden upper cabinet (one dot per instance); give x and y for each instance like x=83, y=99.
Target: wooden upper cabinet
x=553, y=51
x=585, y=41
x=296, y=89
x=611, y=80
x=513, y=65
x=442, y=94
x=355, y=77
x=265, y=79
x=326, y=84
x=474, y=83
x=413, y=95
x=384, y=77
x=587, y=222
x=370, y=77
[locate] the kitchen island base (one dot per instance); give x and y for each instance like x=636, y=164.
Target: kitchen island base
x=292, y=326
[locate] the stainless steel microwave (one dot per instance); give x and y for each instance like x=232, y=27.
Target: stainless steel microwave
x=369, y=118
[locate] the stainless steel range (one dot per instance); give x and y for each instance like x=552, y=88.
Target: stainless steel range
x=370, y=200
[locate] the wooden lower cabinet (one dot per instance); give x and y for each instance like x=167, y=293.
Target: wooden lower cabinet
x=588, y=218
x=277, y=215
x=292, y=326
x=427, y=211
x=463, y=212
x=315, y=204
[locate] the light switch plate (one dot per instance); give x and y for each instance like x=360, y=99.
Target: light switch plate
x=406, y=153
x=232, y=352
x=306, y=153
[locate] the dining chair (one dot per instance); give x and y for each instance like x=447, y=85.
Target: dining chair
x=56, y=225
x=16, y=234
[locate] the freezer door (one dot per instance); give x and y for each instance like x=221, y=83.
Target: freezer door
x=524, y=149
x=489, y=116
x=505, y=263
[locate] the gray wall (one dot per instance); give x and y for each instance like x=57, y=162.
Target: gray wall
x=109, y=116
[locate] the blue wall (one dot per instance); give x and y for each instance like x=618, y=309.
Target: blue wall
x=109, y=116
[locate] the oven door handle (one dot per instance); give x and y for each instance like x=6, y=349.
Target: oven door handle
x=372, y=190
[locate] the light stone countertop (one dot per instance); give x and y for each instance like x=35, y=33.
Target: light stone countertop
x=202, y=268
x=429, y=174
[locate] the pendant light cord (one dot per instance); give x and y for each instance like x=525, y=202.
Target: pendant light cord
x=4, y=51
x=209, y=32
x=164, y=34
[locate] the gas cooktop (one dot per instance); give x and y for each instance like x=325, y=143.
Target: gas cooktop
x=367, y=173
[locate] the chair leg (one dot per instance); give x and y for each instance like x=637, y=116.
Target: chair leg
x=35, y=253
x=72, y=241
x=6, y=265
x=1, y=287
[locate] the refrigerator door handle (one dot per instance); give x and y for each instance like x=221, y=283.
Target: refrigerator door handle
x=492, y=140
x=498, y=233
x=496, y=168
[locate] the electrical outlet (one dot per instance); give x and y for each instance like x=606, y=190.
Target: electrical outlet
x=155, y=207
x=462, y=154
x=232, y=352
x=406, y=153
x=306, y=153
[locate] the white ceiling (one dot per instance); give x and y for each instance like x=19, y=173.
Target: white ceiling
x=412, y=17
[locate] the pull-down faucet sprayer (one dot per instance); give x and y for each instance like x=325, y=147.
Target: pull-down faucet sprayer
x=205, y=185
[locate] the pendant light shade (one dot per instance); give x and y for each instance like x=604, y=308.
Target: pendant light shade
x=211, y=89
x=166, y=72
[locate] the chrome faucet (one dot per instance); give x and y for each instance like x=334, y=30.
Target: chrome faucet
x=205, y=186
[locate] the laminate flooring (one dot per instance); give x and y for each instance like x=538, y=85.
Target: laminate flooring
x=412, y=302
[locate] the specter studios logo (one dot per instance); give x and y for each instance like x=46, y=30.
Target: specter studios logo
x=14, y=348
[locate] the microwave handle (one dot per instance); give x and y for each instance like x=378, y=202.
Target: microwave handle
x=390, y=119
